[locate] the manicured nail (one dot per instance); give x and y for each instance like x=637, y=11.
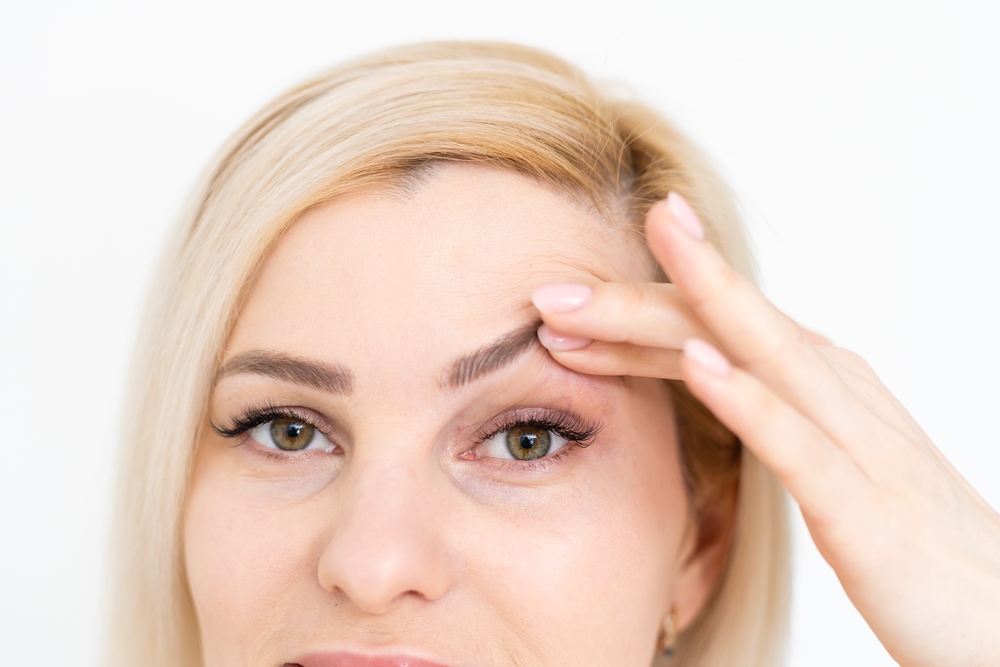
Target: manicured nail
x=685, y=216
x=707, y=357
x=550, y=299
x=558, y=342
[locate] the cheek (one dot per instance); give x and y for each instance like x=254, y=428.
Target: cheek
x=246, y=563
x=582, y=575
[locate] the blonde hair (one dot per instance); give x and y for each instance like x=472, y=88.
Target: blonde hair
x=360, y=125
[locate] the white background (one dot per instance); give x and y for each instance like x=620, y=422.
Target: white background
x=861, y=137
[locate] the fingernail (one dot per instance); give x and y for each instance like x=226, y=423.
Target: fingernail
x=707, y=357
x=559, y=343
x=561, y=298
x=685, y=216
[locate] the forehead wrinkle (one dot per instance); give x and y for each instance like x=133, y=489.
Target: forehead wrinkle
x=516, y=290
x=606, y=259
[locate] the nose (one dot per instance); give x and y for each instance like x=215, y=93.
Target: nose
x=388, y=538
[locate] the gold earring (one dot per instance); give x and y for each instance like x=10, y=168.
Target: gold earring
x=668, y=635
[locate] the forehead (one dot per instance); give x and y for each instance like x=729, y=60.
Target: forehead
x=446, y=266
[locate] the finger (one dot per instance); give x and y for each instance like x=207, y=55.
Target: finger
x=759, y=338
x=642, y=314
x=865, y=384
x=815, y=338
x=812, y=468
x=603, y=358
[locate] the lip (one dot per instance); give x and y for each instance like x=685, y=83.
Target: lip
x=356, y=660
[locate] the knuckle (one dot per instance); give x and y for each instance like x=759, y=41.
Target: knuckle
x=780, y=354
x=724, y=279
x=634, y=298
x=851, y=361
x=634, y=295
x=766, y=405
x=718, y=279
x=649, y=297
x=615, y=312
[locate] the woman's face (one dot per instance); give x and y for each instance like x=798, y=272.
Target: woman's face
x=408, y=475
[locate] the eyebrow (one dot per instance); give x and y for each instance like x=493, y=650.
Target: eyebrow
x=492, y=357
x=338, y=380
x=281, y=366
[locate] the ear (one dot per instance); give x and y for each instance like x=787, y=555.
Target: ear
x=704, y=555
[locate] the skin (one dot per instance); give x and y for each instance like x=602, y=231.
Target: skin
x=915, y=547
x=401, y=542
x=408, y=536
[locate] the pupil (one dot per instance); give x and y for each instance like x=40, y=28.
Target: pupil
x=293, y=430
x=528, y=441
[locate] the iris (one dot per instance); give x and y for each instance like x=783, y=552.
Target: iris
x=291, y=435
x=527, y=443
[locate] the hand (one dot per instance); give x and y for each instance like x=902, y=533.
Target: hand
x=915, y=547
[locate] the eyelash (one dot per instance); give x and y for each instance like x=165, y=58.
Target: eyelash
x=571, y=427
x=255, y=415
x=578, y=431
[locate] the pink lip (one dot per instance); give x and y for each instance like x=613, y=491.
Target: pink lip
x=355, y=660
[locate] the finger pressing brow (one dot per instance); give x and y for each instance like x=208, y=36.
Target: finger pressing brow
x=644, y=314
x=756, y=335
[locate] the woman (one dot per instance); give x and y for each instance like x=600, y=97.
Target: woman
x=399, y=399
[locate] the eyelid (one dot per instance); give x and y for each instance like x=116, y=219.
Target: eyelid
x=255, y=414
x=571, y=426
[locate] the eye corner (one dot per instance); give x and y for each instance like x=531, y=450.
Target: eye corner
x=229, y=433
x=586, y=436
x=469, y=454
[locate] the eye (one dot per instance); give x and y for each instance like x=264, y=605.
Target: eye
x=290, y=434
x=523, y=442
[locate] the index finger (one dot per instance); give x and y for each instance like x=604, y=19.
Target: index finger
x=755, y=334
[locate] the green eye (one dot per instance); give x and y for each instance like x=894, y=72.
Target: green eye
x=287, y=433
x=527, y=443
x=291, y=435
